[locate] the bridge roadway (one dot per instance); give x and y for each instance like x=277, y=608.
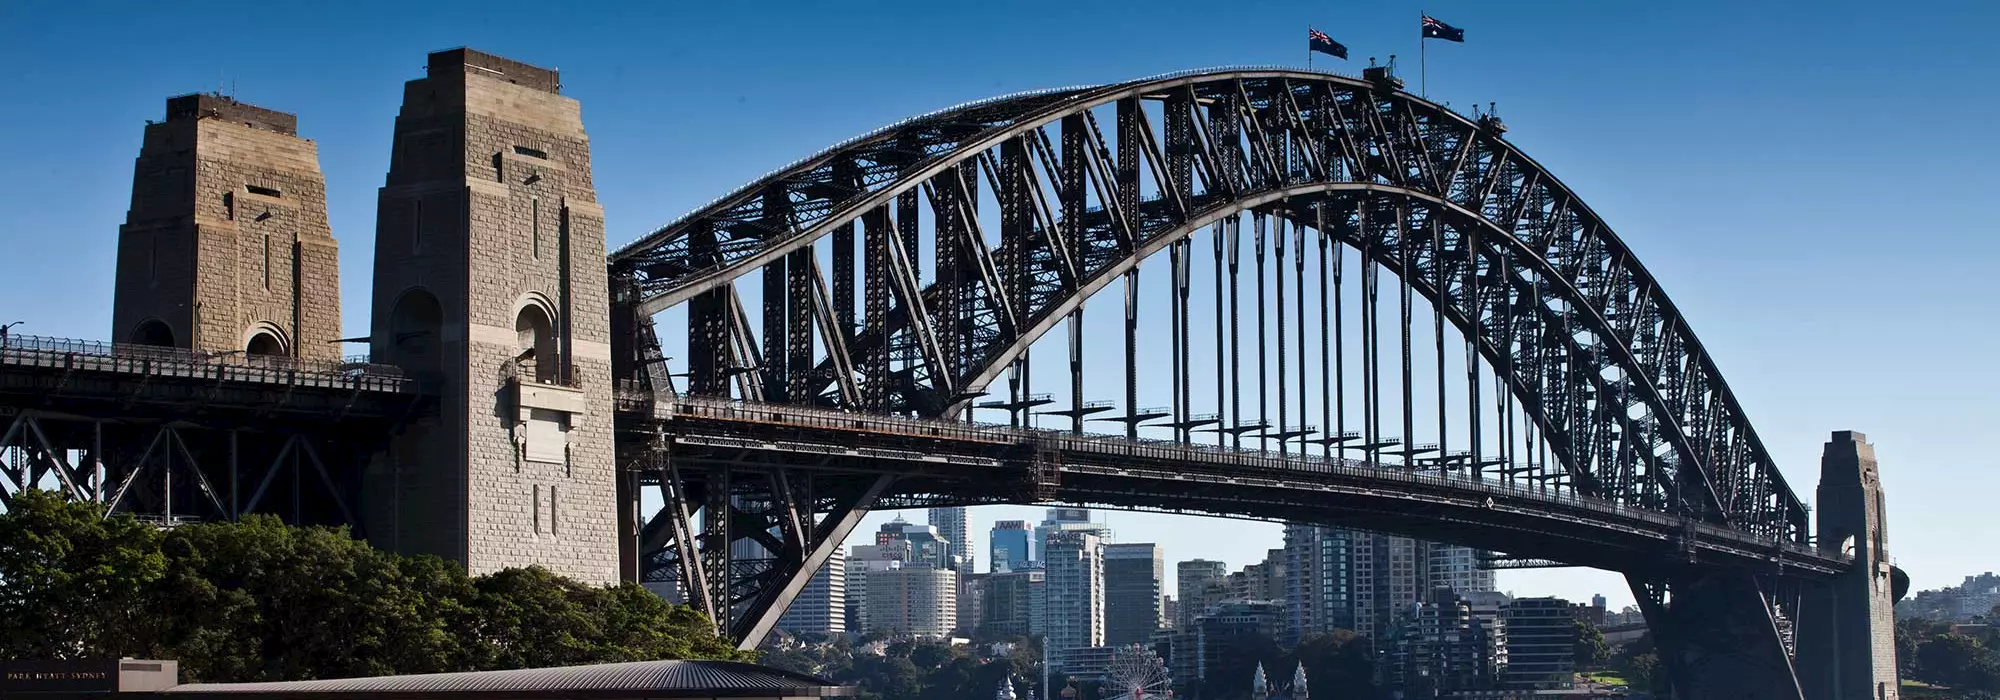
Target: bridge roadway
x=86, y=377
x=967, y=463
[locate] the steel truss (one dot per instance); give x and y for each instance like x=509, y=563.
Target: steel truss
x=1617, y=399
x=174, y=471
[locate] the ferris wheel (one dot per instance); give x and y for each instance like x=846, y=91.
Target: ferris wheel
x=1136, y=673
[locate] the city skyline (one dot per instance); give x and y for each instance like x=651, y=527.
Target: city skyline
x=345, y=106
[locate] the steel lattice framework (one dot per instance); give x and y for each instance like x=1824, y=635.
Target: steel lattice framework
x=1088, y=183
x=1591, y=346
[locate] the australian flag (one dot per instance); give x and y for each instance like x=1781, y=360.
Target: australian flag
x=1319, y=41
x=1434, y=29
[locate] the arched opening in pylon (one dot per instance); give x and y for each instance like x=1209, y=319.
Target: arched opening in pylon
x=264, y=344
x=535, y=340
x=153, y=332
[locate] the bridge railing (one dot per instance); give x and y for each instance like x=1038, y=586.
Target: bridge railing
x=94, y=355
x=1264, y=463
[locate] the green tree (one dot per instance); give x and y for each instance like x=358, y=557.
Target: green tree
x=259, y=600
x=1644, y=671
x=1590, y=649
x=1948, y=659
x=73, y=583
x=1337, y=659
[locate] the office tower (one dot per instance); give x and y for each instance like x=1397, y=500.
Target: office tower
x=822, y=607
x=1133, y=577
x=916, y=600
x=1192, y=582
x=1008, y=546
x=1541, y=644
x=1458, y=568
x=972, y=590
x=1319, y=585
x=950, y=525
x=1067, y=520
x=1391, y=574
x=862, y=559
x=1013, y=604
x=921, y=544
x=1074, y=589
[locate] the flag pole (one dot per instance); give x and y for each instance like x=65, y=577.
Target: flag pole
x=1423, y=62
x=1309, y=50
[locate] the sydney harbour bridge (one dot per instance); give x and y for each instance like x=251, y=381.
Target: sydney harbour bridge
x=1333, y=302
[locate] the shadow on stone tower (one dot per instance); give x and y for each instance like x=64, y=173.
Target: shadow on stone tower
x=490, y=289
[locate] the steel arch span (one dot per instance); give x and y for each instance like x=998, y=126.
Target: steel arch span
x=1631, y=410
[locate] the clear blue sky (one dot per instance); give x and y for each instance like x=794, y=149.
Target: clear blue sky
x=1811, y=182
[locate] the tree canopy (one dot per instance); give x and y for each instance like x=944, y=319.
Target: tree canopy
x=260, y=600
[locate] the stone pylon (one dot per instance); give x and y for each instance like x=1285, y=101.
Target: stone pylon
x=490, y=288
x=1847, y=626
x=226, y=248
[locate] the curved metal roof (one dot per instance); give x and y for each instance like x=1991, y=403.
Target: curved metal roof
x=638, y=679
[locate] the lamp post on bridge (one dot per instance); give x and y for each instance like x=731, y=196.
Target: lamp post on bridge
x=3, y=332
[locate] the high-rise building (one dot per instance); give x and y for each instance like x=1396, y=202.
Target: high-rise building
x=1008, y=548
x=971, y=600
x=1444, y=646
x=1391, y=574
x=921, y=544
x=1133, y=577
x=1074, y=591
x=861, y=559
x=950, y=525
x=1319, y=583
x=1264, y=580
x=1067, y=520
x=916, y=600
x=1541, y=644
x=1013, y=606
x=821, y=608
x=1458, y=568
x=1193, y=582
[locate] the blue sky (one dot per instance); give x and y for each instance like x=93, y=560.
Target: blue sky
x=1810, y=182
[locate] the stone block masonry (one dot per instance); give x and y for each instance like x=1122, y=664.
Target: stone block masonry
x=490, y=285
x=226, y=247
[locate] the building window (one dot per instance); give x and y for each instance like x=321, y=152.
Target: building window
x=417, y=226
x=531, y=152
x=266, y=191
x=267, y=262
x=538, y=509
x=535, y=215
x=552, y=509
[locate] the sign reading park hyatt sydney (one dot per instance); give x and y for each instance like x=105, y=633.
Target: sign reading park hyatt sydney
x=84, y=676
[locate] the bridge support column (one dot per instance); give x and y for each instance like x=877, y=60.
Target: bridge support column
x=491, y=290
x=1847, y=626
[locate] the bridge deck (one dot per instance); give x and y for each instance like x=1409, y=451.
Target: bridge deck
x=1104, y=467
x=73, y=373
